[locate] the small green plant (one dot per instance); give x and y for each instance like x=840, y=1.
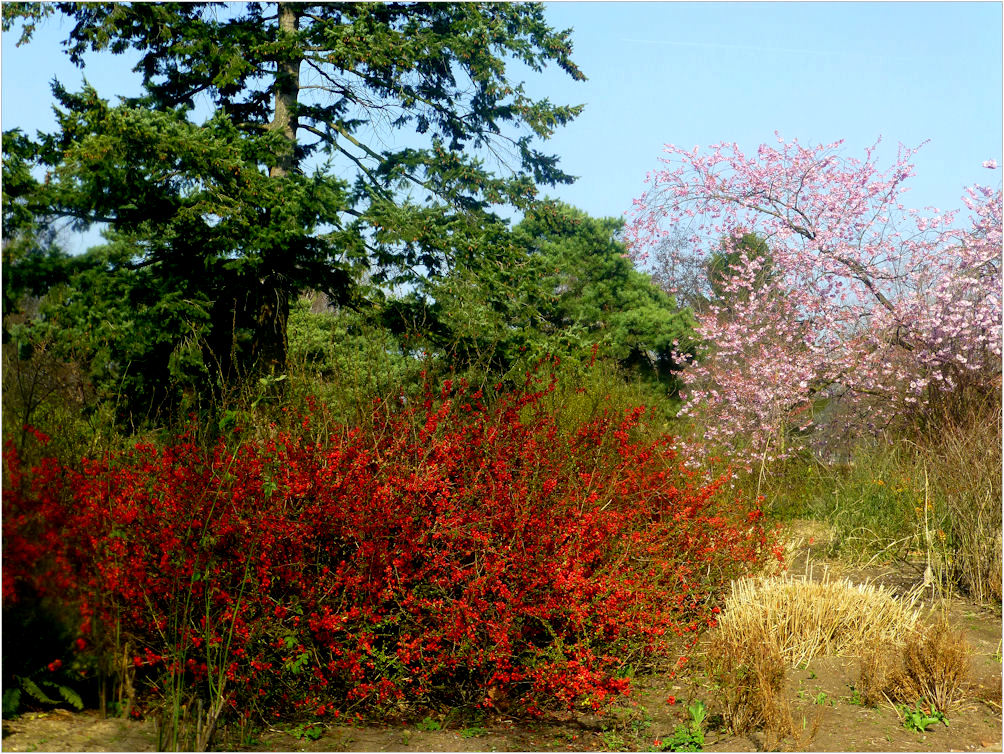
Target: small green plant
x=473, y=732
x=638, y=720
x=311, y=732
x=613, y=741
x=296, y=665
x=428, y=725
x=820, y=698
x=628, y=671
x=683, y=739
x=918, y=720
x=35, y=689
x=855, y=697
x=698, y=714
x=626, y=726
x=689, y=737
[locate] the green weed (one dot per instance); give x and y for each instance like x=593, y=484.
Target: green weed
x=310, y=731
x=689, y=737
x=428, y=724
x=918, y=720
x=855, y=697
x=613, y=741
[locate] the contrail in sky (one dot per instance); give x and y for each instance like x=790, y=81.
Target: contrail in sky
x=713, y=45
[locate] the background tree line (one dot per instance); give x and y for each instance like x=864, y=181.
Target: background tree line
x=254, y=170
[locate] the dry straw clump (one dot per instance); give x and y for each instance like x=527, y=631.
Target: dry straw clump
x=806, y=619
x=967, y=472
x=750, y=676
x=770, y=622
x=932, y=664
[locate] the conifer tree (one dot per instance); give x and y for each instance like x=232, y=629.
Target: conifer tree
x=348, y=147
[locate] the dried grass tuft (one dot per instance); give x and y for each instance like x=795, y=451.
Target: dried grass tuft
x=966, y=471
x=750, y=676
x=749, y=673
x=805, y=619
x=932, y=664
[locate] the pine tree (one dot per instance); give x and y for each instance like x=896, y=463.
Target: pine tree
x=349, y=148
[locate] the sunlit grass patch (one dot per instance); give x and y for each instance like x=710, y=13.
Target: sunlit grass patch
x=807, y=619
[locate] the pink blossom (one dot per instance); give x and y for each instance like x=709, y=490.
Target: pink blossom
x=869, y=307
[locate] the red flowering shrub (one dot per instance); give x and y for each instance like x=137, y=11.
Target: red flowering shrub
x=449, y=553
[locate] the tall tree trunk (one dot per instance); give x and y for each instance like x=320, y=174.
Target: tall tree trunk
x=252, y=309
x=271, y=313
x=287, y=89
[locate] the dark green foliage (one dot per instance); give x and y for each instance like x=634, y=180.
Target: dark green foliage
x=345, y=359
x=289, y=183
x=25, y=243
x=216, y=226
x=40, y=668
x=586, y=282
x=563, y=286
x=134, y=338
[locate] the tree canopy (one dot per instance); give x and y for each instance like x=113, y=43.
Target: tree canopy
x=347, y=147
x=561, y=283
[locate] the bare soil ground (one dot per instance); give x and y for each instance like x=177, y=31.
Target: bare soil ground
x=823, y=692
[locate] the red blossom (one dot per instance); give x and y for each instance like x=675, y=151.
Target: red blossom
x=434, y=552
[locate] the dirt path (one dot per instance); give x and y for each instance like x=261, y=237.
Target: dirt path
x=823, y=691
x=84, y=731
x=843, y=726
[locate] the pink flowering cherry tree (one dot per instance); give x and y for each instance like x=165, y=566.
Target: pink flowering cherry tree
x=871, y=311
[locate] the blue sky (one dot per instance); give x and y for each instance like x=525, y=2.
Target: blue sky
x=699, y=73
